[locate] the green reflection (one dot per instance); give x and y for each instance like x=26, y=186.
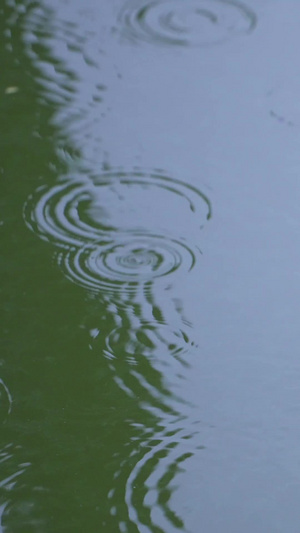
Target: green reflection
x=92, y=442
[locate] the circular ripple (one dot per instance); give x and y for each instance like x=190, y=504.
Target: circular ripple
x=129, y=259
x=188, y=23
x=80, y=212
x=148, y=340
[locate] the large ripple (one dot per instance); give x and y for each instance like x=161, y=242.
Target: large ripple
x=188, y=23
x=80, y=211
x=125, y=261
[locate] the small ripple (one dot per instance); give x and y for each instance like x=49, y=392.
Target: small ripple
x=82, y=211
x=20, y=507
x=150, y=340
x=284, y=105
x=5, y=400
x=129, y=259
x=189, y=23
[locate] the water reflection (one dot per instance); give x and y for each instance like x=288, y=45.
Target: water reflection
x=149, y=485
x=106, y=226
x=117, y=240
x=190, y=23
x=55, y=46
x=161, y=436
x=102, y=433
x=149, y=338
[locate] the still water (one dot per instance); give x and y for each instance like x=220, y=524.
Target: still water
x=150, y=285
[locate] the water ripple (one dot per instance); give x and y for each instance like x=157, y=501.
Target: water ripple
x=82, y=211
x=128, y=259
x=5, y=400
x=150, y=339
x=189, y=23
x=67, y=72
x=150, y=484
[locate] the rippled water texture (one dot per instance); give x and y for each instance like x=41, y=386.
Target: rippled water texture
x=188, y=23
x=116, y=239
x=103, y=427
x=149, y=348
x=109, y=228
x=150, y=339
x=77, y=212
x=131, y=259
x=66, y=59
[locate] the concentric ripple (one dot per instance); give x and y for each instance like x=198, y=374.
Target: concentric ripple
x=128, y=259
x=186, y=23
x=78, y=212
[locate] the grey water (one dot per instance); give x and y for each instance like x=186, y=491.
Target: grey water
x=150, y=279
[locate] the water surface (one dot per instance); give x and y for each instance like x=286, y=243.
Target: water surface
x=150, y=275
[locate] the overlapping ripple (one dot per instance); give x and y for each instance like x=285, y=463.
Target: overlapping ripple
x=82, y=211
x=188, y=23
